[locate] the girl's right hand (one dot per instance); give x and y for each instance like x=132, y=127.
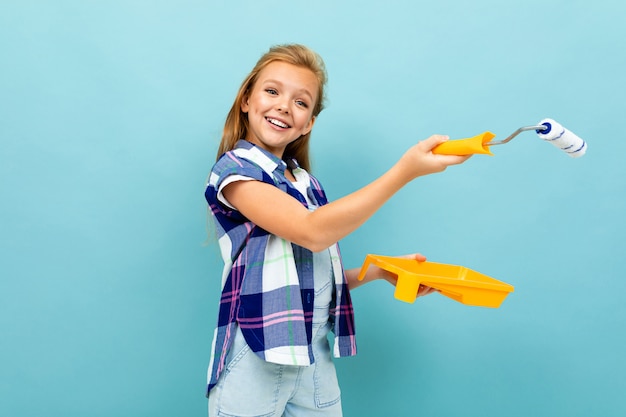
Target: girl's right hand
x=419, y=160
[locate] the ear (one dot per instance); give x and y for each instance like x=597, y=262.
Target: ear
x=244, y=104
x=309, y=126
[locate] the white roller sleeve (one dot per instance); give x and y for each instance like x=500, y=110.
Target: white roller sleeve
x=562, y=138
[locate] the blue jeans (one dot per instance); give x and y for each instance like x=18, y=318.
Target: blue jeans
x=252, y=387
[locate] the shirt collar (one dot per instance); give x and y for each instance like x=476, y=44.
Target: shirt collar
x=263, y=158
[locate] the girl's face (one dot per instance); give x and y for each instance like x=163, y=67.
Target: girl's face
x=280, y=106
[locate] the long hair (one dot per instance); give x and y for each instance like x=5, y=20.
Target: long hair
x=236, y=125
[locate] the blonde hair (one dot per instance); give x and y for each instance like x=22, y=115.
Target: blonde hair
x=236, y=126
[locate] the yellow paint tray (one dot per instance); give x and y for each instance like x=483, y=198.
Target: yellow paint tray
x=457, y=282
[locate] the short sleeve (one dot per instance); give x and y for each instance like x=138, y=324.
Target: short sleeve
x=228, y=169
x=229, y=180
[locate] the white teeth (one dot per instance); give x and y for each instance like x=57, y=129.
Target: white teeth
x=277, y=123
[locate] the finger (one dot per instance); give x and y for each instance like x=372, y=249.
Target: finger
x=454, y=159
x=419, y=257
x=459, y=159
x=422, y=290
x=416, y=256
x=425, y=290
x=435, y=140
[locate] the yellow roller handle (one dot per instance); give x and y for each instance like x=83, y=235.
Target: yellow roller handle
x=467, y=146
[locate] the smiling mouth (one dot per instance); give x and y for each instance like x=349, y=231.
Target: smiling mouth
x=278, y=123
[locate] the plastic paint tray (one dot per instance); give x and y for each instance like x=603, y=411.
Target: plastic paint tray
x=457, y=282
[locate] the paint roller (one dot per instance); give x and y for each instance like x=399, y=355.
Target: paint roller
x=547, y=129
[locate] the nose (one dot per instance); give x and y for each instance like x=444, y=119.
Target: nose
x=282, y=107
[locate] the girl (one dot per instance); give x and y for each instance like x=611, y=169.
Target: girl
x=283, y=284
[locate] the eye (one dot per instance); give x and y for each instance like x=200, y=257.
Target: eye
x=302, y=103
x=271, y=91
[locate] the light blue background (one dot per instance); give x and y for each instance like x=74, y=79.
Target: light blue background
x=110, y=115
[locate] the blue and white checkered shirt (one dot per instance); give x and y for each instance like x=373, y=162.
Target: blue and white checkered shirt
x=267, y=282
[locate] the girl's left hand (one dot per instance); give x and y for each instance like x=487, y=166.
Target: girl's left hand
x=375, y=273
x=423, y=289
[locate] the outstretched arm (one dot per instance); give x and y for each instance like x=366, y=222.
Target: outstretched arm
x=284, y=216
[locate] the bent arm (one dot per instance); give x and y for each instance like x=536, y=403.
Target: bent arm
x=284, y=216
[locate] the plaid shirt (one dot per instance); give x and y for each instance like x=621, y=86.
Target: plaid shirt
x=267, y=282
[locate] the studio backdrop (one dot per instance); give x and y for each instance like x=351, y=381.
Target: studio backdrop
x=110, y=117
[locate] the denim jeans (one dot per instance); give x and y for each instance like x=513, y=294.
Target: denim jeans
x=252, y=387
